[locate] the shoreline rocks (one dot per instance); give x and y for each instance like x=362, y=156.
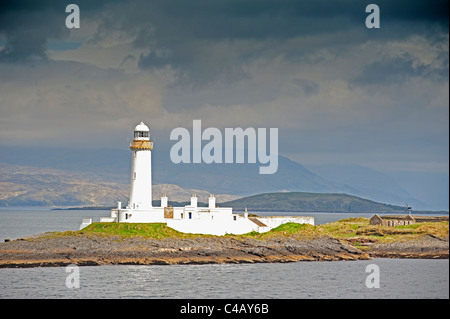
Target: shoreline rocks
x=62, y=251
x=93, y=250
x=429, y=247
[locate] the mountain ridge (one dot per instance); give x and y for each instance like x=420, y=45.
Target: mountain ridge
x=30, y=186
x=100, y=166
x=312, y=202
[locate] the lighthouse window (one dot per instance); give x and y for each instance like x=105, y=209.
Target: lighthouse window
x=134, y=175
x=141, y=134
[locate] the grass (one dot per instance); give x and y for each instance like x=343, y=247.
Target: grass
x=287, y=230
x=345, y=227
x=354, y=228
x=127, y=230
x=358, y=229
x=348, y=229
x=124, y=230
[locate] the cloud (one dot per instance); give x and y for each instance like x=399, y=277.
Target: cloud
x=267, y=27
x=210, y=42
x=27, y=26
x=75, y=103
x=332, y=86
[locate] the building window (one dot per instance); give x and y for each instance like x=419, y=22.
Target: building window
x=234, y=217
x=134, y=175
x=190, y=215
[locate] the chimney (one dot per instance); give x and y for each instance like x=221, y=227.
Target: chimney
x=194, y=200
x=163, y=201
x=212, y=201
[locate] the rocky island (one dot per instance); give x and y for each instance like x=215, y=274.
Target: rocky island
x=157, y=244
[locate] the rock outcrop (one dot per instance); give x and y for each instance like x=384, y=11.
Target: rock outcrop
x=91, y=250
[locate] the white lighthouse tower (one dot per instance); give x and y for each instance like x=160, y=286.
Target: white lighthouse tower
x=141, y=169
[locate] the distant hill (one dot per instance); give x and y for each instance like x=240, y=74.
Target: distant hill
x=243, y=179
x=110, y=169
x=38, y=186
x=370, y=184
x=311, y=202
x=236, y=179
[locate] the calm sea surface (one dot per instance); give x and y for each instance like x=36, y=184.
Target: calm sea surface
x=399, y=278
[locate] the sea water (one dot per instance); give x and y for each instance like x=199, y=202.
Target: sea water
x=398, y=278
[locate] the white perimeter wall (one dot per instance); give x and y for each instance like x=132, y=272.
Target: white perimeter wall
x=219, y=222
x=211, y=227
x=155, y=215
x=273, y=222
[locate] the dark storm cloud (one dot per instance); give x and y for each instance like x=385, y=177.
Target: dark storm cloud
x=26, y=30
x=179, y=32
x=28, y=25
x=435, y=11
x=185, y=34
x=268, y=18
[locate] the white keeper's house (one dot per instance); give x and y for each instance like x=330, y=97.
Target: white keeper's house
x=191, y=218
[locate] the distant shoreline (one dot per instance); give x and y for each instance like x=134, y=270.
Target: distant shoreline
x=417, y=212
x=83, y=208
x=276, y=202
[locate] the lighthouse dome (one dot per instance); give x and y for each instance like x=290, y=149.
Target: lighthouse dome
x=141, y=127
x=141, y=132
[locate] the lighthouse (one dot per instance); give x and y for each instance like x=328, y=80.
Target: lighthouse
x=141, y=169
x=193, y=218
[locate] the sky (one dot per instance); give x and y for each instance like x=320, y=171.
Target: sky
x=338, y=92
